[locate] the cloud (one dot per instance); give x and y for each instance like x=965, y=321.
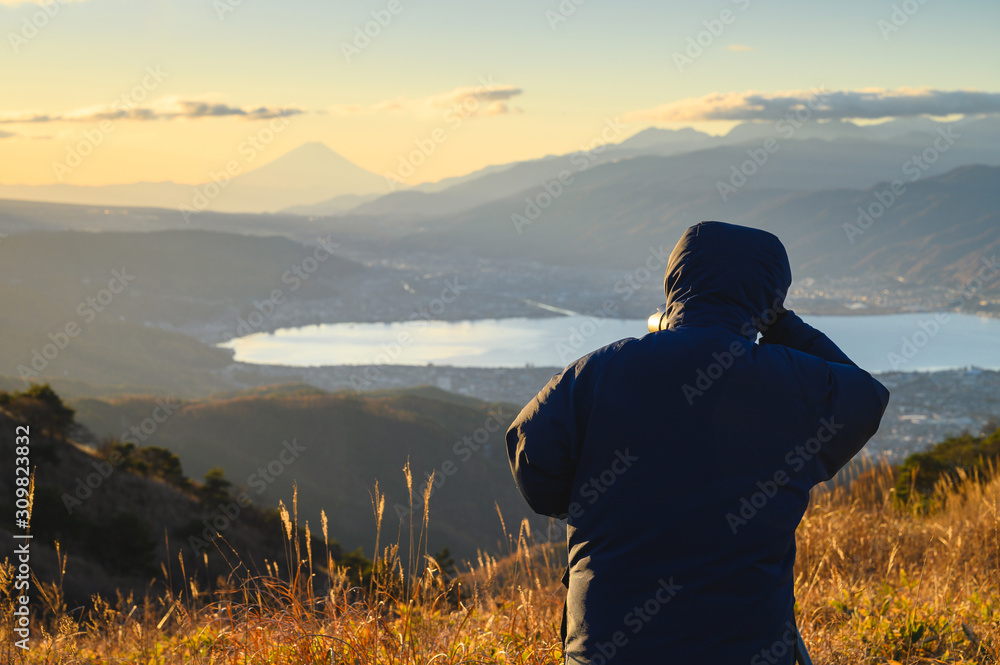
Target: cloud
x=6, y=135
x=740, y=47
x=867, y=103
x=473, y=101
x=168, y=108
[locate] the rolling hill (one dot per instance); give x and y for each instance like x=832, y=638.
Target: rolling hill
x=336, y=446
x=104, y=307
x=118, y=522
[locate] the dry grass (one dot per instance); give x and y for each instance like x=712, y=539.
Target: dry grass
x=876, y=583
x=880, y=583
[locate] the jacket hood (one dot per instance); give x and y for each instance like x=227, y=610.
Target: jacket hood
x=725, y=275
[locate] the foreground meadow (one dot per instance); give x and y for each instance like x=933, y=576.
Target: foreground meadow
x=876, y=582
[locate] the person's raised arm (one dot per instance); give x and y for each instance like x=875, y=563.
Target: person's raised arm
x=791, y=331
x=847, y=401
x=846, y=405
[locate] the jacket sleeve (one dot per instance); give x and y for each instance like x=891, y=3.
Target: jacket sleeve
x=793, y=332
x=848, y=405
x=543, y=443
x=845, y=402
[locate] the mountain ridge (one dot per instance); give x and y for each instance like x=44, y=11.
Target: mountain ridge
x=305, y=175
x=308, y=179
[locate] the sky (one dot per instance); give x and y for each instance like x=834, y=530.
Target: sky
x=153, y=90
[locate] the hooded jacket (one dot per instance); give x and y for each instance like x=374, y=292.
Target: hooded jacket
x=683, y=461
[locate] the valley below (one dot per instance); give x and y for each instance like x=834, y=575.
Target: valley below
x=926, y=406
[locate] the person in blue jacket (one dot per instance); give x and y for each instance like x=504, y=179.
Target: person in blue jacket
x=683, y=462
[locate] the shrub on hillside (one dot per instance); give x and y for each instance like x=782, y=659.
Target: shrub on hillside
x=41, y=407
x=965, y=453
x=216, y=488
x=148, y=461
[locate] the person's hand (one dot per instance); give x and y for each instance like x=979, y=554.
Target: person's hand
x=771, y=319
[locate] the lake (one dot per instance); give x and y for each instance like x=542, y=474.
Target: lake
x=906, y=342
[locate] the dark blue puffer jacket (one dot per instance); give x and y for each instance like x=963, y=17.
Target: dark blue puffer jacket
x=683, y=461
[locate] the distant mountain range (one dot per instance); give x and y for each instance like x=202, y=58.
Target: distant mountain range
x=823, y=156
x=668, y=141
x=307, y=175
x=935, y=230
x=313, y=180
